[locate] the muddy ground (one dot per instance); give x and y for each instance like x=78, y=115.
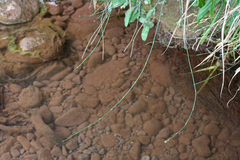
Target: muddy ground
x=61, y=99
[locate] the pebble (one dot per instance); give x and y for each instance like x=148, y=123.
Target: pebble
x=235, y=139
x=108, y=140
x=135, y=151
x=71, y=144
x=110, y=49
x=15, y=88
x=68, y=84
x=60, y=75
x=86, y=100
x=114, y=32
x=95, y=156
x=138, y=107
x=73, y=117
x=56, y=151
x=172, y=110
x=46, y=143
x=163, y=133
x=6, y=156
x=211, y=129
x=36, y=144
x=201, y=144
x=224, y=134
x=152, y=127
x=44, y=154
x=30, y=97
x=56, y=99
x=146, y=157
x=15, y=153
x=24, y=142
x=46, y=114
x=186, y=138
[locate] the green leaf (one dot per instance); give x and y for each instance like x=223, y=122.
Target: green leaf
x=196, y=3
x=143, y=20
x=117, y=3
x=147, y=1
x=201, y=3
x=150, y=12
x=135, y=15
x=128, y=15
x=144, y=34
x=148, y=24
x=205, y=9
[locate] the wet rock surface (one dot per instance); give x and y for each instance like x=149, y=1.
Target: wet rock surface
x=64, y=99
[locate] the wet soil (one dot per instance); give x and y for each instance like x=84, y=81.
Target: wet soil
x=62, y=98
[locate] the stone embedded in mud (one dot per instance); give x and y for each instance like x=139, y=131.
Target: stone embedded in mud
x=152, y=127
x=108, y=140
x=87, y=100
x=211, y=129
x=201, y=145
x=18, y=11
x=135, y=151
x=138, y=107
x=114, y=32
x=30, y=97
x=50, y=70
x=72, y=117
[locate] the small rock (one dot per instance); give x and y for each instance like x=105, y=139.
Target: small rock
x=68, y=84
x=145, y=157
x=83, y=157
x=87, y=100
x=145, y=140
x=15, y=88
x=30, y=97
x=111, y=50
x=108, y=140
x=95, y=59
x=54, y=9
x=45, y=113
x=71, y=144
x=50, y=70
x=186, y=138
x=72, y=117
x=152, y=127
x=6, y=156
x=201, y=145
x=105, y=97
x=44, y=154
x=36, y=144
x=62, y=132
x=211, y=129
x=172, y=110
x=135, y=151
x=46, y=143
x=235, y=139
x=57, y=99
x=129, y=120
x=60, y=75
x=224, y=135
x=114, y=32
x=95, y=156
x=164, y=133
x=38, y=84
x=15, y=153
x=24, y=142
x=56, y=151
x=137, y=107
